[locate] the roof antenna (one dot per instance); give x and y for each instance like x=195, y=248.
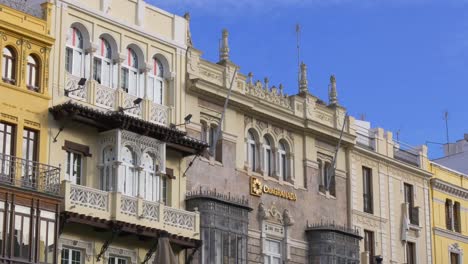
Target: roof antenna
x=446, y=115
x=298, y=36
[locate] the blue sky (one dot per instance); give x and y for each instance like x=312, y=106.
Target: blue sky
x=401, y=63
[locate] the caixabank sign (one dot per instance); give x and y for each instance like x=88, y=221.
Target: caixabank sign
x=257, y=188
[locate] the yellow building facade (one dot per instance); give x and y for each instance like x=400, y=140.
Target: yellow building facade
x=449, y=192
x=29, y=187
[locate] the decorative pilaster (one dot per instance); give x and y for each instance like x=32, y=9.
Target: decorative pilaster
x=303, y=83
x=332, y=94
x=224, y=47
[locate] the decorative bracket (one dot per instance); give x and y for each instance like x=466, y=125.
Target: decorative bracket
x=190, y=257
x=116, y=229
x=151, y=251
x=63, y=221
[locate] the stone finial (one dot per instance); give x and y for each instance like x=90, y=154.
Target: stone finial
x=332, y=94
x=224, y=48
x=266, y=83
x=303, y=84
x=250, y=75
x=189, y=35
x=281, y=89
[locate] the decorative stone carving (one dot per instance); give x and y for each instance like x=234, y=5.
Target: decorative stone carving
x=248, y=120
x=332, y=95
x=87, y=246
x=288, y=220
x=130, y=254
x=303, y=83
x=261, y=125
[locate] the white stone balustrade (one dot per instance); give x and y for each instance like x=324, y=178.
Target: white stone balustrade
x=115, y=206
x=108, y=98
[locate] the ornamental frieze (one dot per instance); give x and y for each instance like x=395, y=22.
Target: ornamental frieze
x=449, y=189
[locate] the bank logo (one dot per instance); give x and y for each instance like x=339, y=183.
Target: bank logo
x=255, y=187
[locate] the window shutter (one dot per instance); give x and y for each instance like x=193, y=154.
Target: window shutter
x=219, y=151
x=456, y=217
x=106, y=73
x=448, y=214
x=115, y=74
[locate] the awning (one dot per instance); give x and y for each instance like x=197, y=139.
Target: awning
x=164, y=253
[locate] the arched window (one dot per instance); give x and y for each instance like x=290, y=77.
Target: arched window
x=32, y=74
x=102, y=67
x=9, y=65
x=156, y=82
x=74, y=54
x=268, y=157
x=251, y=151
x=152, y=184
x=107, y=173
x=130, y=73
x=283, y=164
x=129, y=180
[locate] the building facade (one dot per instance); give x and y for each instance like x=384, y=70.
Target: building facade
x=264, y=188
x=29, y=186
x=390, y=198
x=449, y=193
x=116, y=81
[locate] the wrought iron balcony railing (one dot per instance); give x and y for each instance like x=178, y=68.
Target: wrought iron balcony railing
x=29, y=174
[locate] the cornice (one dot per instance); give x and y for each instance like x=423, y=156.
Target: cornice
x=450, y=234
x=449, y=188
x=21, y=32
x=258, y=107
x=130, y=28
x=379, y=158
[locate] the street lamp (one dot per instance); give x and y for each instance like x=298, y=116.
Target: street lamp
x=80, y=85
x=136, y=103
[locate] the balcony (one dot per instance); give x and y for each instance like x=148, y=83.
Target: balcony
x=111, y=99
x=29, y=175
x=115, y=206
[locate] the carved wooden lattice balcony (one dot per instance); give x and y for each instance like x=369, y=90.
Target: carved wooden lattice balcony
x=113, y=205
x=29, y=174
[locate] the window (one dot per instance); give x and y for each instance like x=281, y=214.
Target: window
x=454, y=258
x=324, y=172
x=268, y=157
x=369, y=245
x=151, y=179
x=30, y=147
x=117, y=260
x=156, y=82
x=74, y=53
x=7, y=139
x=47, y=233
x=272, y=251
x=21, y=239
x=456, y=217
x=73, y=172
x=448, y=214
x=9, y=65
x=71, y=256
x=283, y=162
x=251, y=151
x=102, y=67
x=413, y=212
x=367, y=190
x=32, y=74
x=129, y=180
x=410, y=253
x=130, y=73
x=108, y=159
x=164, y=190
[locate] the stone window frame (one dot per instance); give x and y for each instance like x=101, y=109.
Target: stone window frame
x=455, y=248
x=129, y=254
x=209, y=124
x=85, y=247
x=325, y=158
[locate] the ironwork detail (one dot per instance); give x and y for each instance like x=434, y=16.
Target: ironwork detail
x=116, y=229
